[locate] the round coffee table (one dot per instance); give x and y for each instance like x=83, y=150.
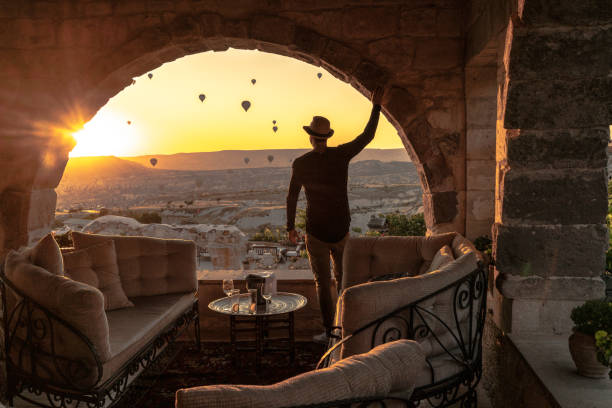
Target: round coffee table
x=261, y=321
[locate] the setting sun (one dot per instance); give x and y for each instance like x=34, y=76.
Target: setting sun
x=106, y=134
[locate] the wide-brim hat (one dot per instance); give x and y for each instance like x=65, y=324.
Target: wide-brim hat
x=319, y=128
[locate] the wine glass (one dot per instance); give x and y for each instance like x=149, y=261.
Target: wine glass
x=266, y=294
x=228, y=286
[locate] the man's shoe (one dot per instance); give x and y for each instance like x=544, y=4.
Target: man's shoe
x=322, y=338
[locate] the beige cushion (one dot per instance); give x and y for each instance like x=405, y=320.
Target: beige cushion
x=97, y=266
x=150, y=266
x=441, y=258
x=78, y=304
x=386, y=369
x=46, y=254
x=132, y=328
x=365, y=258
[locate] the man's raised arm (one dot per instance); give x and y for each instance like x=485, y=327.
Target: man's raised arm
x=355, y=146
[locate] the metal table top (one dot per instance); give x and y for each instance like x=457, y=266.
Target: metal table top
x=281, y=302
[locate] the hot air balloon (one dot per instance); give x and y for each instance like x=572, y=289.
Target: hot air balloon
x=274, y=122
x=253, y=81
x=150, y=75
x=246, y=160
x=202, y=97
x=270, y=158
x=246, y=105
x=274, y=128
x=153, y=161
x=319, y=75
x=129, y=122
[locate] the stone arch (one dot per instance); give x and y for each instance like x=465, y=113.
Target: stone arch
x=430, y=125
x=188, y=34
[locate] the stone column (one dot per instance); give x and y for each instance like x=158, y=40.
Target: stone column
x=554, y=108
x=480, y=95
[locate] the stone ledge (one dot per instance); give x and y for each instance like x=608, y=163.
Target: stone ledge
x=557, y=288
x=281, y=274
x=549, y=358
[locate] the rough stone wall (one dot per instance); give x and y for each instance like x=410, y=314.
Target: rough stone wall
x=62, y=60
x=555, y=106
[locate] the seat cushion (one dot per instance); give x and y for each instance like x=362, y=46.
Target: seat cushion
x=97, y=266
x=46, y=254
x=132, y=328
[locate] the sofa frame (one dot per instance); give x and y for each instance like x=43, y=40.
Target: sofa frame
x=39, y=324
x=470, y=295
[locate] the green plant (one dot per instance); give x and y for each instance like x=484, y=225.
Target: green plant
x=404, y=225
x=594, y=318
x=603, y=342
x=484, y=244
x=300, y=219
x=269, y=236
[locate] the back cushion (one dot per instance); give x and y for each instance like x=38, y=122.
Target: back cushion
x=97, y=266
x=149, y=266
x=441, y=258
x=46, y=254
x=78, y=304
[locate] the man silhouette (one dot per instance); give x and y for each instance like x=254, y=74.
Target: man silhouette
x=323, y=172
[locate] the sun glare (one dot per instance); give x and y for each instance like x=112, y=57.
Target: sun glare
x=106, y=134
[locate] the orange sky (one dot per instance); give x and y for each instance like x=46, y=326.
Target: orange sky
x=167, y=117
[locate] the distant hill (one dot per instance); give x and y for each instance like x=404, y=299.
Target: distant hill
x=81, y=170
x=235, y=159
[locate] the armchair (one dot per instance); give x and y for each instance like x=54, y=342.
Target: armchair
x=443, y=310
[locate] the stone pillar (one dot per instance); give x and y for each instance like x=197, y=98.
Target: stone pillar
x=481, y=102
x=31, y=167
x=554, y=109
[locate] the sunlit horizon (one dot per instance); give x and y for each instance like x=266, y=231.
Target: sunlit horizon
x=166, y=116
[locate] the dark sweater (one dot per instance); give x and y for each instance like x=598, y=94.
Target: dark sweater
x=324, y=176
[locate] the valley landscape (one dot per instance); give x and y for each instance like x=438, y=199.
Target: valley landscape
x=224, y=188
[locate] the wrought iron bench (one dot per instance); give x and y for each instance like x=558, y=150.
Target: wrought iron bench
x=413, y=321
x=52, y=363
x=28, y=359
x=443, y=310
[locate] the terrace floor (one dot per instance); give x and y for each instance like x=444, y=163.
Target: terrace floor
x=183, y=366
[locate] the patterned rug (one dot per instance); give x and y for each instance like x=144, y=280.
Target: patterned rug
x=181, y=366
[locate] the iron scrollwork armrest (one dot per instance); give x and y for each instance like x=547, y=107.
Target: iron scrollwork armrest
x=34, y=354
x=417, y=320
